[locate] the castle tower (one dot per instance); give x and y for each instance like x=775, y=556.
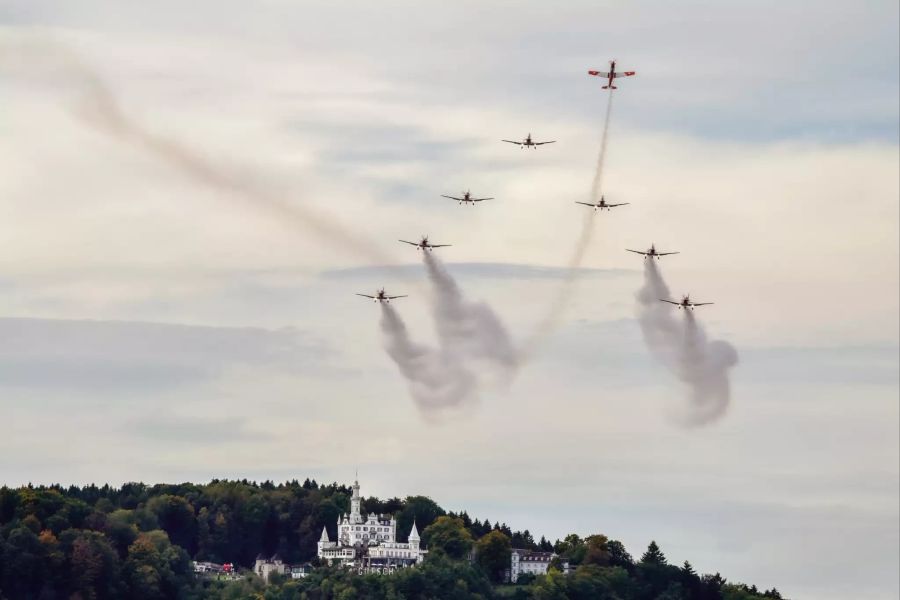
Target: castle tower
x=414, y=538
x=323, y=540
x=355, y=515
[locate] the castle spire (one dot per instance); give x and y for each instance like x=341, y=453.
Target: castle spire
x=355, y=500
x=324, y=537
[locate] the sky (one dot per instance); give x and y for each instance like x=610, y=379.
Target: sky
x=179, y=306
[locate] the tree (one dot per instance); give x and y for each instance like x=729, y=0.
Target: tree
x=176, y=518
x=419, y=510
x=619, y=556
x=450, y=536
x=653, y=555
x=493, y=552
x=597, y=551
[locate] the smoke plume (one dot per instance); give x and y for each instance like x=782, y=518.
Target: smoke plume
x=100, y=109
x=560, y=301
x=437, y=379
x=472, y=329
x=681, y=344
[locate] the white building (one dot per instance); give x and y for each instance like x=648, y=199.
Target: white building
x=369, y=543
x=528, y=561
x=266, y=566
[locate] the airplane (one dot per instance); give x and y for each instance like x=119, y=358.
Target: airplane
x=652, y=252
x=686, y=302
x=602, y=204
x=381, y=296
x=611, y=75
x=467, y=198
x=528, y=142
x=425, y=244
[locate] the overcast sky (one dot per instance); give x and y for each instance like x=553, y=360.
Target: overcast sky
x=156, y=327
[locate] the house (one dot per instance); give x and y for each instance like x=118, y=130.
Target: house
x=368, y=543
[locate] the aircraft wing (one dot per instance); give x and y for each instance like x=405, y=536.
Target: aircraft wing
x=598, y=73
x=586, y=204
x=479, y=199
x=624, y=74
x=701, y=303
x=452, y=198
x=439, y=245
x=512, y=142
x=619, y=204
x=666, y=253
x=670, y=302
x=637, y=251
x=394, y=297
x=365, y=295
x=410, y=243
x=542, y=143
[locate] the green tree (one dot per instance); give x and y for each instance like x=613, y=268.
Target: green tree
x=493, y=553
x=421, y=510
x=450, y=536
x=653, y=555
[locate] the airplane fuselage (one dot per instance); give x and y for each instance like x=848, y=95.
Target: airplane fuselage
x=612, y=74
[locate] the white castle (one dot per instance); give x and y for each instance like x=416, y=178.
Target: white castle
x=369, y=544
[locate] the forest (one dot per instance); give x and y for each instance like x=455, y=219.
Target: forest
x=138, y=541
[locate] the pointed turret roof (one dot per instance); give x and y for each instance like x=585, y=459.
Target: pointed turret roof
x=414, y=532
x=324, y=537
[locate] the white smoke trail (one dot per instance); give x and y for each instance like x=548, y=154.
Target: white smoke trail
x=472, y=329
x=683, y=347
x=437, y=379
x=101, y=110
x=560, y=301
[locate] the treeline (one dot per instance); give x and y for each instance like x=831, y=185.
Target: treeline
x=137, y=541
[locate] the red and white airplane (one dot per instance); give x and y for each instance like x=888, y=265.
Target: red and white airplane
x=528, y=142
x=611, y=75
x=651, y=252
x=602, y=204
x=686, y=302
x=424, y=244
x=467, y=198
x=381, y=296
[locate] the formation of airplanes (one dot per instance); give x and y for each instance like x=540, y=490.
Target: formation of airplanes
x=466, y=198
x=528, y=142
x=651, y=252
x=381, y=296
x=424, y=244
x=686, y=302
x=602, y=204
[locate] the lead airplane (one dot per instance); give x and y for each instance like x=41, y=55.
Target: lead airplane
x=467, y=198
x=381, y=296
x=686, y=302
x=528, y=142
x=424, y=244
x=602, y=204
x=611, y=75
x=651, y=252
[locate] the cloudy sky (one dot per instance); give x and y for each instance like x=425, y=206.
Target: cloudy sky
x=178, y=301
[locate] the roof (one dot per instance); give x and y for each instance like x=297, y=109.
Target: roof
x=534, y=555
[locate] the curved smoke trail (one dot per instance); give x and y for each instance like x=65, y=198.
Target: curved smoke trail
x=437, y=379
x=101, y=110
x=560, y=301
x=702, y=365
x=471, y=328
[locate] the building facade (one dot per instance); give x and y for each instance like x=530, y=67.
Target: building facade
x=528, y=561
x=369, y=543
x=264, y=567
